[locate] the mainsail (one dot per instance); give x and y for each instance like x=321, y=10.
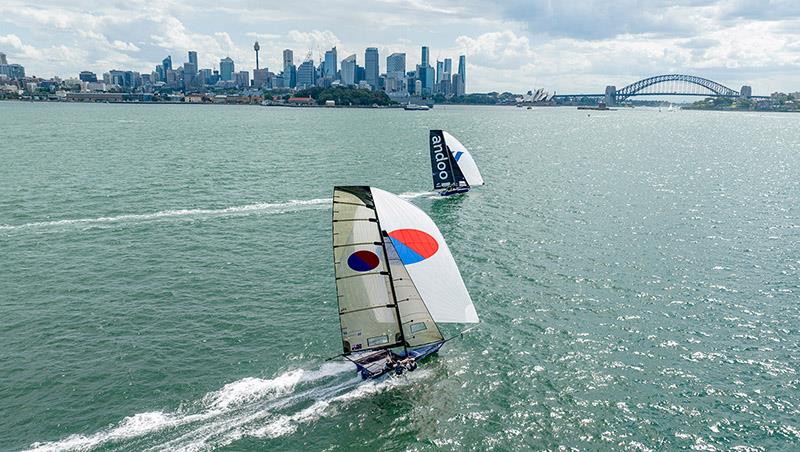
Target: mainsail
x=395, y=276
x=451, y=163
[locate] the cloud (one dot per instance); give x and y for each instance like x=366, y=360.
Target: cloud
x=510, y=44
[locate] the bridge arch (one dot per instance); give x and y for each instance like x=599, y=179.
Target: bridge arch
x=680, y=80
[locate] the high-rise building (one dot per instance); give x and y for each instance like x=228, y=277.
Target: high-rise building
x=288, y=59
x=204, y=77
x=260, y=78
x=243, y=79
x=424, y=61
x=396, y=65
x=349, y=70
x=448, y=66
x=87, y=76
x=439, y=71
x=12, y=71
x=3, y=59
x=371, y=67
x=361, y=74
x=189, y=76
x=457, y=85
x=166, y=63
x=462, y=74
x=226, y=69
x=331, y=61
x=193, y=58
x=306, y=75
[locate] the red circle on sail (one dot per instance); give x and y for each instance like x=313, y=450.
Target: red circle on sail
x=414, y=245
x=363, y=261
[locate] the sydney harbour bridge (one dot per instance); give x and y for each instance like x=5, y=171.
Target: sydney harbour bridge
x=666, y=85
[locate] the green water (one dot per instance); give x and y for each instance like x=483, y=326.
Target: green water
x=167, y=283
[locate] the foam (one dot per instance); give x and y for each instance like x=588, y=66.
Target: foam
x=249, y=209
x=212, y=408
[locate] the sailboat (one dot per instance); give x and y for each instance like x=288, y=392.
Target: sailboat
x=453, y=167
x=396, y=281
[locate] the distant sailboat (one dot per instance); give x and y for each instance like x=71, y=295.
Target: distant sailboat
x=395, y=280
x=453, y=167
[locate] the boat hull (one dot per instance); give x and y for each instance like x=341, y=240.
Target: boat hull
x=375, y=365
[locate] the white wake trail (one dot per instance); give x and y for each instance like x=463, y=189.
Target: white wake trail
x=228, y=400
x=249, y=209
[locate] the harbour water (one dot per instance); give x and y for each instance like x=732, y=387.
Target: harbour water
x=167, y=283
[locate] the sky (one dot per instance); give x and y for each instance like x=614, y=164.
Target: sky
x=511, y=45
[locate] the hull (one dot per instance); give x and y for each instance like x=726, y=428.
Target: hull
x=377, y=365
x=454, y=191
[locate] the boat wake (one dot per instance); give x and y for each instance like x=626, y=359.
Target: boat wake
x=188, y=214
x=248, y=209
x=247, y=408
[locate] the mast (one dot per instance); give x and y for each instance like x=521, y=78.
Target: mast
x=384, y=236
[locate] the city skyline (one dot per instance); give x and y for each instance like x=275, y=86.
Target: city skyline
x=510, y=45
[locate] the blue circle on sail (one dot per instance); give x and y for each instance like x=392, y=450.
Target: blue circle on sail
x=363, y=261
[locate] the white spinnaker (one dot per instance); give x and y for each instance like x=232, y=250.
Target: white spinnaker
x=465, y=161
x=436, y=278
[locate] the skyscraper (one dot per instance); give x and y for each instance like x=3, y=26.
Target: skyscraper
x=289, y=69
x=462, y=73
x=424, y=61
x=306, y=74
x=448, y=66
x=189, y=76
x=166, y=63
x=193, y=58
x=226, y=69
x=331, y=64
x=371, y=67
x=348, y=70
x=439, y=71
x=396, y=65
x=288, y=58
x=3, y=59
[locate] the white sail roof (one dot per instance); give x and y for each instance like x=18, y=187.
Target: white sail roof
x=464, y=160
x=425, y=255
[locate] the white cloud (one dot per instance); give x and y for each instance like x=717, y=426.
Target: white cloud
x=510, y=44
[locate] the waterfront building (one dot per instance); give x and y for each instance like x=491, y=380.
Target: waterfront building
x=746, y=92
x=226, y=69
x=330, y=64
x=189, y=76
x=457, y=85
x=462, y=73
x=193, y=58
x=371, y=67
x=306, y=75
x=288, y=59
x=396, y=65
x=12, y=71
x=243, y=79
x=261, y=78
x=87, y=76
x=349, y=70
x=360, y=74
